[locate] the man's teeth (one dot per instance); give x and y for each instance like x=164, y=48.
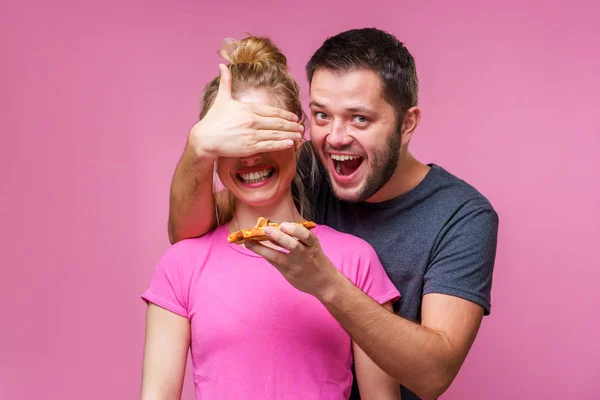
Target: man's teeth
x=255, y=177
x=338, y=157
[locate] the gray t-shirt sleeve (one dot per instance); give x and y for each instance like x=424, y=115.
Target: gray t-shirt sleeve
x=462, y=262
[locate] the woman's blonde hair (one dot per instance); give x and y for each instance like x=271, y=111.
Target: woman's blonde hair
x=256, y=63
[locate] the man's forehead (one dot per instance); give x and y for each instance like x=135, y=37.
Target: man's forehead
x=353, y=89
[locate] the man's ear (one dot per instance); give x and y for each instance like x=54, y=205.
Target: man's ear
x=410, y=121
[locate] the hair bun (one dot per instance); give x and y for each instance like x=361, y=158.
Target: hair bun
x=252, y=50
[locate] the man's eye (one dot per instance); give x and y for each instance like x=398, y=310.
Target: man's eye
x=321, y=115
x=360, y=119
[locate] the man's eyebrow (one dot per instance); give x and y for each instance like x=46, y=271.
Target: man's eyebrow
x=362, y=110
x=358, y=109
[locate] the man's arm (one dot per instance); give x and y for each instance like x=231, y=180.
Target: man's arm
x=373, y=382
x=425, y=358
x=191, y=200
x=229, y=129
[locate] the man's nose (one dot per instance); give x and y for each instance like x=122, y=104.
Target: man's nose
x=338, y=136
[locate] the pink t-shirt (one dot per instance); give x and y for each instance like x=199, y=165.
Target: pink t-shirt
x=253, y=335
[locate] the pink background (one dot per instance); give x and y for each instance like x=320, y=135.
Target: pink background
x=95, y=104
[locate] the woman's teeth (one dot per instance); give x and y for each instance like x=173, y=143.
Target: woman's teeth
x=258, y=176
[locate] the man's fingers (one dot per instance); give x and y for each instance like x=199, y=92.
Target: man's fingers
x=305, y=236
x=268, y=135
x=270, y=111
x=282, y=239
x=272, y=145
x=224, y=91
x=277, y=123
x=274, y=257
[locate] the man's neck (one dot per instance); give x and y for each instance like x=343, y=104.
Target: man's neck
x=409, y=173
x=282, y=210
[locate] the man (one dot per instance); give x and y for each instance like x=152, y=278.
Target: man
x=435, y=234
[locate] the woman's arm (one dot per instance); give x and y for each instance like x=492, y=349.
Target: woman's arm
x=165, y=354
x=373, y=383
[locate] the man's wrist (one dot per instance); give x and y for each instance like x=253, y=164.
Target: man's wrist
x=193, y=160
x=332, y=287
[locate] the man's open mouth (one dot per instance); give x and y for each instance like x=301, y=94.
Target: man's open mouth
x=346, y=164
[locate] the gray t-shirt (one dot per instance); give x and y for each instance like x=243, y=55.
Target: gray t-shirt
x=438, y=238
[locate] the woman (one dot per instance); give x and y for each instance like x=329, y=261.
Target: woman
x=251, y=334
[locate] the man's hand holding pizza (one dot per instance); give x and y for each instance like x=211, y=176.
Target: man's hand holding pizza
x=306, y=266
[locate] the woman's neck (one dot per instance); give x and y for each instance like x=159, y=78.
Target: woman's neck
x=245, y=215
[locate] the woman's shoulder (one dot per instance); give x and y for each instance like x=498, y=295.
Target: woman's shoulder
x=189, y=250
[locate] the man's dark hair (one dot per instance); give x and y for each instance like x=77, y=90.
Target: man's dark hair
x=378, y=51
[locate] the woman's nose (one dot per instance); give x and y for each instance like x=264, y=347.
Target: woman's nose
x=251, y=160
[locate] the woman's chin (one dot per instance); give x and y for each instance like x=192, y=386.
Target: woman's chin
x=258, y=198
x=261, y=199
x=259, y=202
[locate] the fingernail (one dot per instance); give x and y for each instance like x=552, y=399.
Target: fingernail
x=301, y=128
x=268, y=230
x=249, y=244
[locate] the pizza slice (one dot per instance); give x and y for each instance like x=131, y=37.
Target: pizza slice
x=257, y=233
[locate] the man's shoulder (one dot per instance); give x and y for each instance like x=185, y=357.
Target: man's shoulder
x=452, y=191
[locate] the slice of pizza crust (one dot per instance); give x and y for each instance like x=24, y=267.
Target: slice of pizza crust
x=258, y=232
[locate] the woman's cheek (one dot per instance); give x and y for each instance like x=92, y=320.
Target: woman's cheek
x=224, y=173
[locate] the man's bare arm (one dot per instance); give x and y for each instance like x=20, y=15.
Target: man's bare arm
x=191, y=200
x=373, y=382
x=425, y=358
x=229, y=129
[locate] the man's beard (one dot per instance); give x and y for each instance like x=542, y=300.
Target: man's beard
x=384, y=162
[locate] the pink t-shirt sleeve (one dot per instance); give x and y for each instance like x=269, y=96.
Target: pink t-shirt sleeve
x=167, y=288
x=371, y=277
